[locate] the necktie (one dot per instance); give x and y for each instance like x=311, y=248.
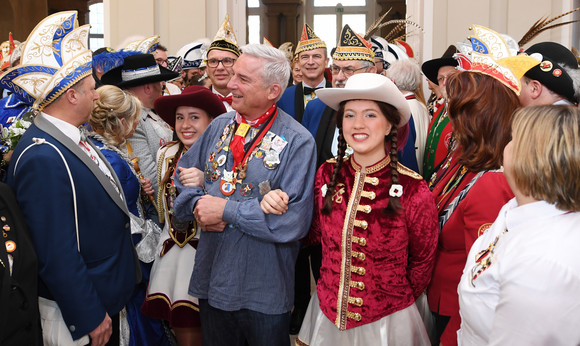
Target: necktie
x=309, y=90
x=228, y=99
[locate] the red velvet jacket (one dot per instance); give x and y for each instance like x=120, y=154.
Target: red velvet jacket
x=472, y=216
x=373, y=263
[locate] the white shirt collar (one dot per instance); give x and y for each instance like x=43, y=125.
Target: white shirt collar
x=518, y=215
x=68, y=129
x=320, y=85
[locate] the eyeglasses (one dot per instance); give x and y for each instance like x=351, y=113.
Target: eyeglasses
x=227, y=62
x=348, y=71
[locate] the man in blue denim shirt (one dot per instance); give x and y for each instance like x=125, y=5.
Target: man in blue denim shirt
x=244, y=266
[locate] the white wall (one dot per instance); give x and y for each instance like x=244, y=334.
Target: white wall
x=444, y=21
x=177, y=22
x=447, y=21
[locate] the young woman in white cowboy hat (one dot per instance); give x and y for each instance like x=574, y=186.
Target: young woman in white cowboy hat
x=377, y=223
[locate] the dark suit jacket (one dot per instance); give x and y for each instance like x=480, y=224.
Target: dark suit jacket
x=101, y=275
x=320, y=120
x=292, y=101
x=19, y=318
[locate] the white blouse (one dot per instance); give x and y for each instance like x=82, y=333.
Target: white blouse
x=522, y=286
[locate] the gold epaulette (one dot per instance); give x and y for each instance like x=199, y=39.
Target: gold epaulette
x=169, y=144
x=408, y=172
x=333, y=160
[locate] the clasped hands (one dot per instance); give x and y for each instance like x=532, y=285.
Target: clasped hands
x=209, y=209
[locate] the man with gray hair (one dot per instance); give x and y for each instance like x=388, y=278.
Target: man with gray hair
x=406, y=75
x=244, y=266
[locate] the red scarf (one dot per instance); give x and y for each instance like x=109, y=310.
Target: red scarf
x=237, y=144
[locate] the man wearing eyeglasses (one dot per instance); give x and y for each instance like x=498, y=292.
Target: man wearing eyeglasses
x=353, y=55
x=221, y=56
x=311, y=57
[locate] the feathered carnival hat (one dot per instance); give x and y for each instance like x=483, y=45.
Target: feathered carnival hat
x=107, y=58
x=352, y=46
x=308, y=41
x=494, y=55
x=147, y=45
x=392, y=47
x=225, y=39
x=55, y=57
x=556, y=68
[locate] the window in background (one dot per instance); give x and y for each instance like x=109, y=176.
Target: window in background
x=254, y=29
x=329, y=16
x=333, y=3
x=325, y=28
x=97, y=21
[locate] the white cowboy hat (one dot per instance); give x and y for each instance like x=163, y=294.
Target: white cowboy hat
x=367, y=86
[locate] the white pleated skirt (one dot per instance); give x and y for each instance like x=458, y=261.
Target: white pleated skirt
x=404, y=327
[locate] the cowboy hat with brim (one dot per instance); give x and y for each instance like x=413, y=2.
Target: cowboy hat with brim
x=138, y=69
x=367, y=86
x=431, y=68
x=192, y=96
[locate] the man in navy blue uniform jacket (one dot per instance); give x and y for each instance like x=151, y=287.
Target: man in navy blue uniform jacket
x=71, y=199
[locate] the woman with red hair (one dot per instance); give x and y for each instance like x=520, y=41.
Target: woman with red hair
x=469, y=188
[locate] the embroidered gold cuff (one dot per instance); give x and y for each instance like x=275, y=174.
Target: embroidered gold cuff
x=355, y=301
x=364, y=208
x=361, y=256
x=358, y=284
x=359, y=241
x=358, y=270
x=368, y=194
x=361, y=223
x=354, y=315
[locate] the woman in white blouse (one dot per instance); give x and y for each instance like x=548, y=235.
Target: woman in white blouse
x=521, y=282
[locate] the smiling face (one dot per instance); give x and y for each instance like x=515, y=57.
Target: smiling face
x=220, y=75
x=364, y=127
x=312, y=64
x=250, y=97
x=190, y=122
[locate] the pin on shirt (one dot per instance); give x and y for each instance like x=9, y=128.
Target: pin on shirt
x=264, y=187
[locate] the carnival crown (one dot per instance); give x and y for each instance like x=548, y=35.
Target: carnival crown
x=54, y=57
x=147, y=45
x=192, y=55
x=352, y=46
x=495, y=55
x=225, y=39
x=308, y=41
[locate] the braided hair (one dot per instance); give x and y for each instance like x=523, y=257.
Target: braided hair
x=113, y=105
x=331, y=187
x=391, y=144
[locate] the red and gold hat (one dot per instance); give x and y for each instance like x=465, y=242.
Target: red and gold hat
x=495, y=55
x=308, y=41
